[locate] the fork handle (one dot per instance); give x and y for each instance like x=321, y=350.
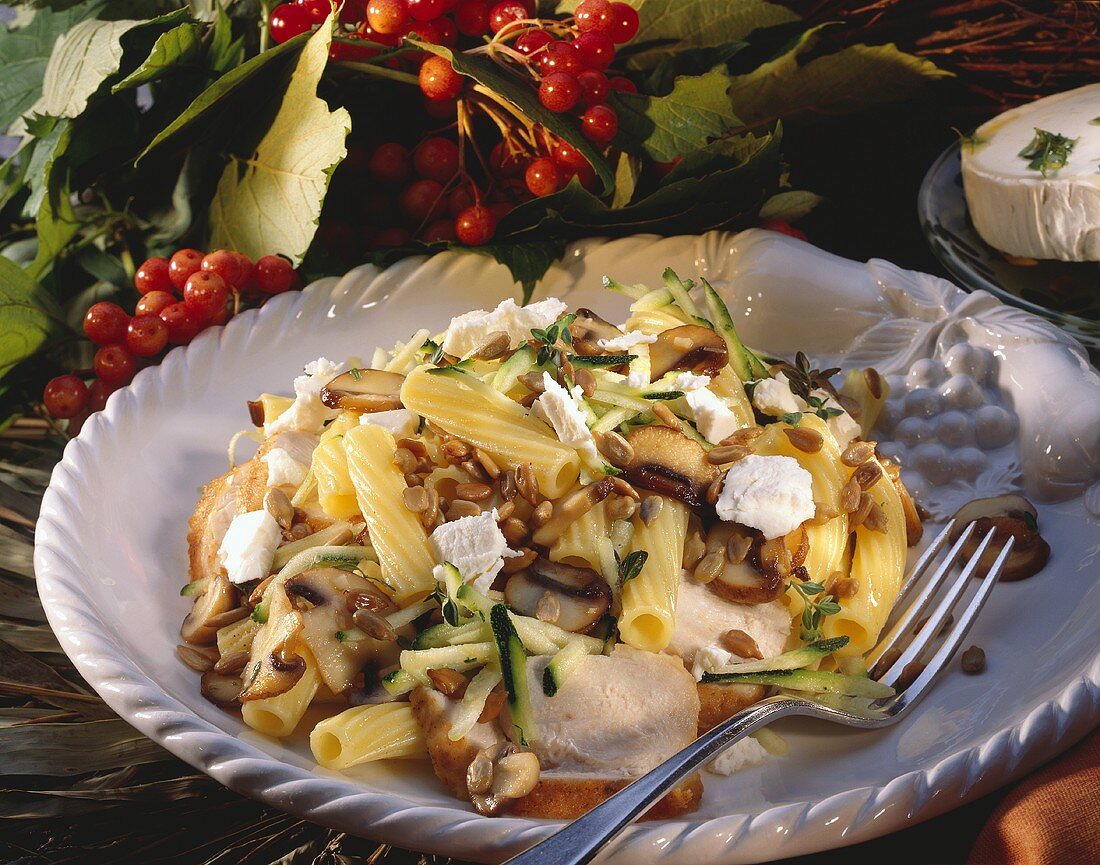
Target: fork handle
x=581, y=840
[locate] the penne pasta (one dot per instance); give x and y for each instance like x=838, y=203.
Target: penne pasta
x=579, y=544
x=279, y=716
x=649, y=600
x=366, y=733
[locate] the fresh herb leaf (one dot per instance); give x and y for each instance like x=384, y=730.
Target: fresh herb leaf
x=791, y=418
x=1047, y=151
x=632, y=565
x=355, y=374
x=818, y=605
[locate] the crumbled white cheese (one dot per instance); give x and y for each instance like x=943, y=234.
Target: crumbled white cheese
x=399, y=421
x=307, y=413
x=469, y=331
x=708, y=659
x=561, y=409
x=689, y=381
x=288, y=458
x=475, y=545
x=637, y=378
x=738, y=756
x=773, y=396
x=627, y=341
x=772, y=494
x=248, y=547
x=712, y=416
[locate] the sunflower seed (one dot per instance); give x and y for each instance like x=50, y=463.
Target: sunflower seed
x=709, y=568
x=473, y=492
x=741, y=644
x=973, y=660
x=416, y=499
x=867, y=475
x=727, y=454
x=857, y=453
x=651, y=509
x=373, y=625
x=494, y=346
x=527, y=484
x=199, y=660
x=405, y=460
x=619, y=452
x=806, y=440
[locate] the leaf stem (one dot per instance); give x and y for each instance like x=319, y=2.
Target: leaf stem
x=380, y=71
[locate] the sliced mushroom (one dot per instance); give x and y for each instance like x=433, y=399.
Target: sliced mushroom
x=747, y=581
x=326, y=600
x=690, y=347
x=1011, y=516
x=570, y=509
x=914, y=530
x=274, y=667
x=667, y=462
x=588, y=329
x=201, y=625
x=221, y=689
x=364, y=390
x=579, y=596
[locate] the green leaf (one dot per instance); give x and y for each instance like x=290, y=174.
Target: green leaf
x=692, y=61
x=626, y=179
x=219, y=94
x=665, y=127
x=789, y=205
x=25, y=52
x=224, y=52
x=55, y=222
x=504, y=85
x=528, y=261
x=25, y=325
x=850, y=80
x=178, y=46
x=269, y=201
x=667, y=27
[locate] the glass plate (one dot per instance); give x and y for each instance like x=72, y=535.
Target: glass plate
x=1067, y=293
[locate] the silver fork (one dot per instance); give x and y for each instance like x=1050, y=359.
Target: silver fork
x=893, y=661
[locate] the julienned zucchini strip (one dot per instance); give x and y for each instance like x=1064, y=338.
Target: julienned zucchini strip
x=814, y=681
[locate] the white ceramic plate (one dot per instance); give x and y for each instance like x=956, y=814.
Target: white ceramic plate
x=110, y=553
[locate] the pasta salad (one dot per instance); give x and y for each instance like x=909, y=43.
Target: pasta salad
x=545, y=551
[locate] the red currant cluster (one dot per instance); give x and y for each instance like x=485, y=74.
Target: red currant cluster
x=180, y=297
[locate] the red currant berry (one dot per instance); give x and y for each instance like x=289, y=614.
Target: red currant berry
x=446, y=32
x=438, y=79
x=783, y=227
x=337, y=236
x=220, y=317
x=205, y=295
x=531, y=41
x=623, y=85
x=153, y=302
x=624, y=23
x=183, y=325
x=225, y=264
x=440, y=231
x=114, y=365
x=317, y=10
x=599, y=124
x=391, y=237
x=147, y=335
x=595, y=88
x=543, y=176
x=472, y=17
x=436, y=159
x=182, y=264
x=152, y=276
x=353, y=11
x=594, y=15
x=65, y=396
x=390, y=164
x=244, y=268
x=426, y=10
x=459, y=200
x=503, y=14
x=663, y=168
x=288, y=21
x=105, y=322
x=560, y=57
x=595, y=49
x=586, y=174
x=387, y=16
x=475, y=225
x=352, y=53
x=274, y=274
x=559, y=92
x=421, y=200
x=505, y=162
x=97, y=395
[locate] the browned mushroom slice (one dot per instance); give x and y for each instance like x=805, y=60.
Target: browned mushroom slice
x=914, y=530
x=574, y=599
x=588, y=329
x=754, y=579
x=667, y=462
x=570, y=509
x=326, y=599
x=690, y=347
x=274, y=666
x=1011, y=516
x=365, y=390
x=201, y=625
x=221, y=689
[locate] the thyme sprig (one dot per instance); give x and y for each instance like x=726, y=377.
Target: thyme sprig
x=804, y=379
x=819, y=605
x=1047, y=151
x=548, y=338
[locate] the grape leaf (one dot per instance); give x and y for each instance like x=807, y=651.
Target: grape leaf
x=790, y=204
x=176, y=47
x=718, y=155
x=219, y=94
x=25, y=325
x=849, y=80
x=667, y=27
x=55, y=222
x=691, y=61
x=665, y=127
x=488, y=74
x=25, y=52
x=270, y=200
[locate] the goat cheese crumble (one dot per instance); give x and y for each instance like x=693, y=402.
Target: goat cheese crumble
x=689, y=381
x=475, y=545
x=289, y=458
x=401, y=422
x=769, y=493
x=307, y=413
x=248, y=547
x=712, y=416
x=627, y=341
x=773, y=396
x=561, y=409
x=469, y=331
x=738, y=756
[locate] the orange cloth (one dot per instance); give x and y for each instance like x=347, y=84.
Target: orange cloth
x=1051, y=817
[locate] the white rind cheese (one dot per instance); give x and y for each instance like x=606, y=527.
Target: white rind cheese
x=1018, y=210
x=475, y=545
x=248, y=548
x=771, y=493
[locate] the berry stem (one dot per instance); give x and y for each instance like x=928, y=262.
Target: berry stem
x=379, y=71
